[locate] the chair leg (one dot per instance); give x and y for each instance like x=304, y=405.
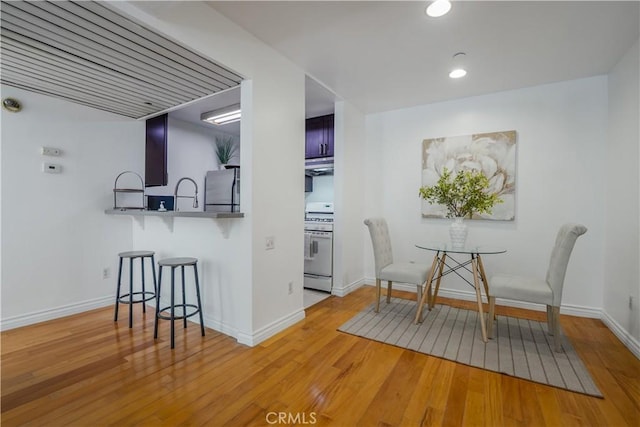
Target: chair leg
x=389, y=282
x=556, y=328
x=490, y=320
x=550, y=320
x=418, y=293
x=378, y=292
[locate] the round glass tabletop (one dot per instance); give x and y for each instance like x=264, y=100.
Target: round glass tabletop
x=469, y=248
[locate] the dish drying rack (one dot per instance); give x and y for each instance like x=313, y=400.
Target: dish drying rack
x=117, y=190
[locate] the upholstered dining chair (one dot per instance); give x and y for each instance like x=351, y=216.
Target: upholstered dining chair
x=546, y=291
x=386, y=268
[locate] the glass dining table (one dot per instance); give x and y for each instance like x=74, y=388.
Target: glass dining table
x=444, y=262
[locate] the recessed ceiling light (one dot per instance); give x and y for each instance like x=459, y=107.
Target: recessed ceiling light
x=458, y=66
x=457, y=73
x=438, y=8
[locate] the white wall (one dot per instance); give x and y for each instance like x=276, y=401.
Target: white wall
x=622, y=201
x=348, y=271
x=561, y=138
x=272, y=141
x=56, y=239
x=322, y=189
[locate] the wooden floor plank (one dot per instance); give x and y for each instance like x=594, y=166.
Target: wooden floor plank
x=88, y=370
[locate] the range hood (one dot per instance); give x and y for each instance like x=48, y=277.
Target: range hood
x=317, y=167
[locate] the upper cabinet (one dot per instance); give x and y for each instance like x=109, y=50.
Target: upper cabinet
x=319, y=137
x=155, y=165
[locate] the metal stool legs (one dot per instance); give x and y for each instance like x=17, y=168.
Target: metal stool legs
x=171, y=308
x=144, y=294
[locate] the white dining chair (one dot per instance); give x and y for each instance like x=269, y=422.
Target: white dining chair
x=387, y=269
x=546, y=291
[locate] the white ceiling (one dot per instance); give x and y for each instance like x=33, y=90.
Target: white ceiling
x=87, y=53
x=191, y=112
x=385, y=55
x=318, y=102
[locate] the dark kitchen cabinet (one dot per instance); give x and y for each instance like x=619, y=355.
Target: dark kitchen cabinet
x=319, y=137
x=155, y=164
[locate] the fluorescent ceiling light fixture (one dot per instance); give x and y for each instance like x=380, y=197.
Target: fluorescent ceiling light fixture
x=438, y=8
x=458, y=69
x=222, y=116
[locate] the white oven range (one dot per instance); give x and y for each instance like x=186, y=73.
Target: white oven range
x=318, y=241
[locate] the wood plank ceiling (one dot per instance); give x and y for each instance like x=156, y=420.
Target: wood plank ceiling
x=89, y=54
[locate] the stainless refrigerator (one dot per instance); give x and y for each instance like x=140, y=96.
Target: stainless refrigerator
x=222, y=191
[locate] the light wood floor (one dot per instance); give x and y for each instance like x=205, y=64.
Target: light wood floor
x=86, y=370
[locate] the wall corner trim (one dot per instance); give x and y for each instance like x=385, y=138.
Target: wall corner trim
x=629, y=341
x=270, y=329
x=345, y=290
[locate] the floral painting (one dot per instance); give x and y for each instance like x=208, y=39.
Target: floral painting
x=494, y=154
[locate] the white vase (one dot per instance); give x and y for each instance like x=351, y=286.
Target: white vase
x=458, y=233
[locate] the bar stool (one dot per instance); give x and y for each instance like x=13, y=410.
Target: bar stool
x=144, y=295
x=197, y=309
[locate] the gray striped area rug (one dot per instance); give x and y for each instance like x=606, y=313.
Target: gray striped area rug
x=520, y=347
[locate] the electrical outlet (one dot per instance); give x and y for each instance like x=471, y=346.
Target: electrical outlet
x=290, y=288
x=106, y=273
x=51, y=168
x=269, y=243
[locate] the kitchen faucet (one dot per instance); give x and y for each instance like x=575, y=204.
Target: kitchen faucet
x=194, y=197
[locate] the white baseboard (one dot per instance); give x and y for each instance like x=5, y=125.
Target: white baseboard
x=70, y=309
x=219, y=326
x=345, y=290
x=271, y=329
x=54, y=313
x=630, y=342
x=572, y=310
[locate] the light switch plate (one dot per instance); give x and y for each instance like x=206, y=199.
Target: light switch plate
x=270, y=243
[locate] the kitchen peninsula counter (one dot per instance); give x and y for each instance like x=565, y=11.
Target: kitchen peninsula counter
x=219, y=242
x=174, y=214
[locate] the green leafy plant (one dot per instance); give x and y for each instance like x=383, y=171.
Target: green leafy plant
x=463, y=194
x=225, y=149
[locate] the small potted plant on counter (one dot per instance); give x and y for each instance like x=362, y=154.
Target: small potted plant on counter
x=463, y=195
x=225, y=149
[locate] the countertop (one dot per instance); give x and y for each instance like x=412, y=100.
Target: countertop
x=174, y=214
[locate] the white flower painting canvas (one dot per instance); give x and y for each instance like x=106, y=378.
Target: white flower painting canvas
x=494, y=154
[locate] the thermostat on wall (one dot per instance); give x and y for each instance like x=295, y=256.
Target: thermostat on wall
x=51, y=168
x=50, y=151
